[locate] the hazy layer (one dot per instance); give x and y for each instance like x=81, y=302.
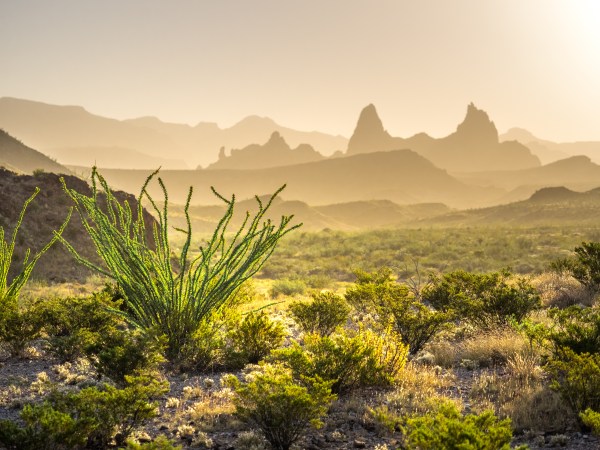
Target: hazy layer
x=311, y=65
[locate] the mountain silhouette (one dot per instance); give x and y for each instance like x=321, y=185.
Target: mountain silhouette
x=57, y=130
x=549, y=151
x=18, y=157
x=401, y=176
x=274, y=153
x=547, y=206
x=474, y=146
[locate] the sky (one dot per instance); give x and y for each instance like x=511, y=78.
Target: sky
x=312, y=64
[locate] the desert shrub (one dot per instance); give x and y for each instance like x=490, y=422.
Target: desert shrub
x=446, y=428
x=89, y=418
x=280, y=406
x=576, y=328
x=584, y=266
x=561, y=290
x=395, y=304
x=253, y=339
x=323, y=315
x=288, y=287
x=591, y=418
x=484, y=300
x=119, y=353
x=18, y=327
x=172, y=294
x=74, y=324
x=160, y=443
x=206, y=348
x=577, y=378
x=349, y=362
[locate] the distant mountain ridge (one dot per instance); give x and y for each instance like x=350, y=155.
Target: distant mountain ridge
x=549, y=151
x=547, y=206
x=52, y=129
x=474, y=146
x=401, y=176
x=16, y=156
x=274, y=153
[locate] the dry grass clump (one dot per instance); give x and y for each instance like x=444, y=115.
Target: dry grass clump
x=522, y=394
x=561, y=290
x=212, y=409
x=481, y=350
x=419, y=390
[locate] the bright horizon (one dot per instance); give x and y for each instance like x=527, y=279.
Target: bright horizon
x=313, y=65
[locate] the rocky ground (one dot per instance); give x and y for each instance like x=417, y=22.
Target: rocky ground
x=198, y=413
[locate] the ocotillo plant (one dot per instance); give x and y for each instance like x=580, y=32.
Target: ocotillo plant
x=9, y=292
x=160, y=295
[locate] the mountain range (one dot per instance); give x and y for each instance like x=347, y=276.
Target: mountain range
x=17, y=157
x=474, y=146
x=72, y=134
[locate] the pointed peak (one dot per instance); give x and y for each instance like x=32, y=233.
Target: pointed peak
x=477, y=125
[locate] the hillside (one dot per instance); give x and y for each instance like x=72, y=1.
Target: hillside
x=44, y=215
x=546, y=207
x=474, y=146
x=16, y=156
x=577, y=172
x=57, y=130
x=549, y=151
x=342, y=216
x=402, y=176
x=274, y=153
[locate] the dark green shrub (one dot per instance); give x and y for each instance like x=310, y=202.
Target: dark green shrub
x=447, y=429
x=206, y=350
x=281, y=407
x=74, y=324
x=89, y=418
x=118, y=353
x=18, y=327
x=485, y=301
x=591, y=418
x=323, y=315
x=394, y=303
x=576, y=328
x=253, y=339
x=584, y=266
x=577, y=378
x=288, y=287
x=366, y=359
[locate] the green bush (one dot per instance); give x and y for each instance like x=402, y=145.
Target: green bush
x=74, y=324
x=394, y=303
x=446, y=429
x=323, y=315
x=253, y=339
x=119, y=353
x=281, y=407
x=591, y=419
x=577, y=378
x=349, y=362
x=288, y=287
x=172, y=294
x=90, y=418
x=576, y=328
x=206, y=349
x=18, y=327
x=584, y=266
x=485, y=301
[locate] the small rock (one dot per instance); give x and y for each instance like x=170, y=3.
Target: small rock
x=359, y=443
